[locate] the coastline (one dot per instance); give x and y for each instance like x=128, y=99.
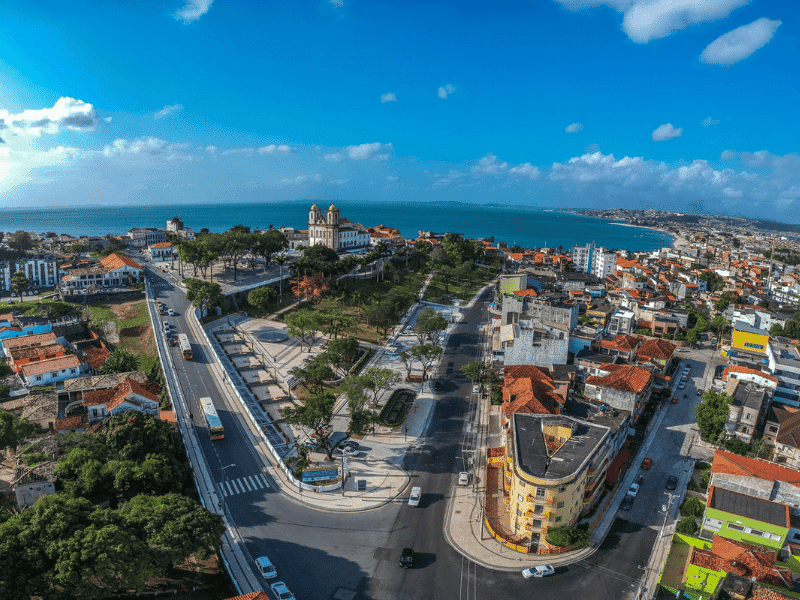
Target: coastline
x=676, y=240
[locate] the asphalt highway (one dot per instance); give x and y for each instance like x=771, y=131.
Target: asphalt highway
x=355, y=555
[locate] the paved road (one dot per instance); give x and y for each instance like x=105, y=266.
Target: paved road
x=321, y=554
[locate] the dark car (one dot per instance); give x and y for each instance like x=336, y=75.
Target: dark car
x=437, y=385
x=407, y=558
x=672, y=482
x=626, y=504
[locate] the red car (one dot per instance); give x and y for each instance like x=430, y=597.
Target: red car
x=674, y=399
x=647, y=463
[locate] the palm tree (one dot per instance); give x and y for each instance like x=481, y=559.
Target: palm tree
x=279, y=259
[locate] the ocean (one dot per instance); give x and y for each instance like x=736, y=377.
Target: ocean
x=526, y=226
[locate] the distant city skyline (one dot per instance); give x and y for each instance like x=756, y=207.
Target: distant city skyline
x=671, y=105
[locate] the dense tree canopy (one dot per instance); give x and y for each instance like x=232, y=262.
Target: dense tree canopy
x=120, y=361
x=712, y=414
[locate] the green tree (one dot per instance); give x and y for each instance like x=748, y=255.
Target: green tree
x=429, y=324
x=568, y=536
x=355, y=388
x=687, y=526
x=280, y=260
x=173, y=526
x=304, y=323
x=426, y=354
x=120, y=361
x=341, y=353
x=269, y=243
x=378, y=380
x=13, y=430
x=19, y=283
x=381, y=315
x=203, y=294
x=338, y=321
x=21, y=241
x=692, y=507
x=764, y=304
x=712, y=414
x=314, y=375
x=262, y=297
x=315, y=414
x=736, y=446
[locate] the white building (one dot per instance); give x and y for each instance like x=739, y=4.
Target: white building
x=582, y=257
x=604, y=262
x=41, y=271
x=334, y=231
x=115, y=270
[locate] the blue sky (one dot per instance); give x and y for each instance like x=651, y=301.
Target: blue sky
x=673, y=104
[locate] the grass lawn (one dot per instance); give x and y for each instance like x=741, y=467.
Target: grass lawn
x=49, y=308
x=133, y=326
x=458, y=289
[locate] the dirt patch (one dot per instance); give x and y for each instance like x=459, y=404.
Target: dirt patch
x=126, y=310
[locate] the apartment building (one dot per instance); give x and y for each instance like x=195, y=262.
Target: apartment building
x=41, y=271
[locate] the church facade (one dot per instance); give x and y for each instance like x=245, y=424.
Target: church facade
x=334, y=231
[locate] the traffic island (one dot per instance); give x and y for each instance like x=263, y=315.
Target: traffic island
x=396, y=409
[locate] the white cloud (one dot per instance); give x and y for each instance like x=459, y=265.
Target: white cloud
x=728, y=155
x=666, y=132
x=66, y=113
x=168, y=109
x=574, y=128
x=391, y=178
x=275, y=149
x=491, y=165
x=338, y=181
x=645, y=20
x=244, y=151
x=192, y=10
x=592, y=148
x=445, y=90
x=211, y=149
x=388, y=97
x=734, y=46
x=374, y=150
x=300, y=179
x=336, y=3
x=708, y=122
x=151, y=146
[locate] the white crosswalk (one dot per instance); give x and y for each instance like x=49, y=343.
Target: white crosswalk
x=249, y=483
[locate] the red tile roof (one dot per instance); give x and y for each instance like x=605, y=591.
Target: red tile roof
x=117, y=261
x=75, y=422
x=530, y=292
x=95, y=357
x=34, y=351
x=625, y=378
x=733, y=464
x=621, y=342
x=162, y=245
x=747, y=371
x=259, y=595
x=744, y=560
x=54, y=364
x=530, y=389
x=125, y=389
x=36, y=339
x=656, y=349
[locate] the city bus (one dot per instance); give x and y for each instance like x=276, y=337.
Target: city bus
x=215, y=429
x=186, y=347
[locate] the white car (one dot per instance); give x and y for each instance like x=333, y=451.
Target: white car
x=413, y=498
x=539, y=571
x=281, y=592
x=463, y=478
x=681, y=385
x=476, y=389
x=633, y=490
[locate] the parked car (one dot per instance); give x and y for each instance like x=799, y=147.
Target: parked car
x=626, y=503
x=633, y=490
x=281, y=592
x=350, y=444
x=538, y=571
x=266, y=568
x=647, y=463
x=463, y=478
x=476, y=389
x=407, y=558
x=674, y=399
x=672, y=482
x=681, y=385
x=413, y=498
x=437, y=385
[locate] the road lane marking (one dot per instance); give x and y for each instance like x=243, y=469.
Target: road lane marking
x=243, y=483
x=227, y=483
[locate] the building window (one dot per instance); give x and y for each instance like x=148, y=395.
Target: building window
x=38, y=378
x=519, y=497
x=735, y=527
x=560, y=505
x=539, y=509
x=54, y=374
x=541, y=493
x=537, y=523
x=519, y=512
x=558, y=519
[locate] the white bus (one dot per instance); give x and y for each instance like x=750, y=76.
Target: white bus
x=215, y=429
x=186, y=347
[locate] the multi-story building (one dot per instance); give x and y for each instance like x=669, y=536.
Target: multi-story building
x=604, y=262
x=582, y=257
x=554, y=464
x=115, y=270
x=41, y=271
x=782, y=432
x=141, y=237
x=623, y=387
x=295, y=237
x=335, y=232
x=524, y=343
x=622, y=321
x=749, y=338
x=161, y=252
x=748, y=411
x=538, y=310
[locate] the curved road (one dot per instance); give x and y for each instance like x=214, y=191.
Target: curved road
x=355, y=555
